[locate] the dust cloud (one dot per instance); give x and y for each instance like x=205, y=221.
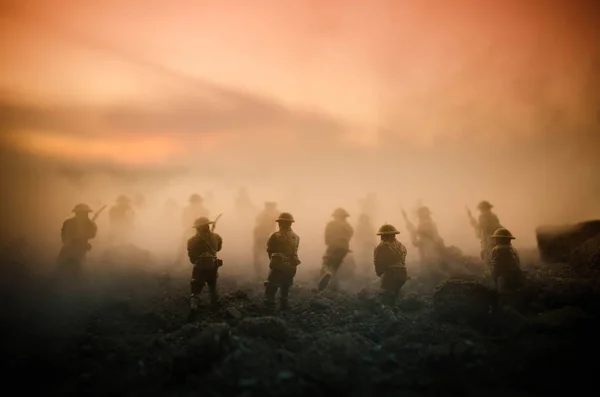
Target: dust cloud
x=509, y=117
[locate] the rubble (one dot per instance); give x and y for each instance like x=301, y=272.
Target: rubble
x=133, y=339
x=462, y=300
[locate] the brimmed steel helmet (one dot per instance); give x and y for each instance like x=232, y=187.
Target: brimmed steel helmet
x=81, y=207
x=502, y=233
x=340, y=212
x=387, y=229
x=484, y=205
x=202, y=221
x=285, y=217
x=195, y=198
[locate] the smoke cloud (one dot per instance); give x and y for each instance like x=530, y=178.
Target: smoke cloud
x=415, y=103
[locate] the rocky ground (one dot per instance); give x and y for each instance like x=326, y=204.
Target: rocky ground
x=128, y=334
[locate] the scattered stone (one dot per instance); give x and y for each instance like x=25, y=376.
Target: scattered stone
x=232, y=312
x=268, y=327
x=411, y=303
x=320, y=304
x=463, y=300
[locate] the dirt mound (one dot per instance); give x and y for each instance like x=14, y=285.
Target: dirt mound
x=585, y=259
x=462, y=300
x=557, y=243
x=130, y=336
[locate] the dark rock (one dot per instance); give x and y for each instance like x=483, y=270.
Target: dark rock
x=264, y=327
x=460, y=300
x=232, y=312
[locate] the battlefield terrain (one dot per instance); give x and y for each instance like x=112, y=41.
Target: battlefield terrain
x=125, y=330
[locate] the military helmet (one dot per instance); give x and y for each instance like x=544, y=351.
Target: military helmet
x=484, y=205
x=502, y=233
x=202, y=221
x=81, y=207
x=123, y=199
x=285, y=217
x=387, y=229
x=340, y=212
x=424, y=210
x=195, y=198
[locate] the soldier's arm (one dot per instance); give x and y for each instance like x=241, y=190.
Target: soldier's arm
x=517, y=258
x=63, y=233
x=381, y=257
x=271, y=245
x=297, y=246
x=494, y=256
x=93, y=230
x=219, y=244
x=191, y=249
x=329, y=230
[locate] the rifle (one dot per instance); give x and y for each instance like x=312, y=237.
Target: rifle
x=411, y=228
x=212, y=227
x=473, y=221
x=99, y=212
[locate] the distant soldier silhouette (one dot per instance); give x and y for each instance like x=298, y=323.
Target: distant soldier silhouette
x=243, y=204
x=121, y=219
x=486, y=224
x=338, y=234
x=194, y=210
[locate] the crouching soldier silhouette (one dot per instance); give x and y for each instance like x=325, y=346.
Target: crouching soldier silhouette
x=202, y=250
x=505, y=265
x=282, y=248
x=389, y=259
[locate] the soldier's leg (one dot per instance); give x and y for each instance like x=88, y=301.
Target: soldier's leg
x=212, y=287
x=331, y=262
x=283, y=296
x=258, y=268
x=196, y=285
x=271, y=286
x=399, y=281
x=386, y=292
x=336, y=263
x=286, y=283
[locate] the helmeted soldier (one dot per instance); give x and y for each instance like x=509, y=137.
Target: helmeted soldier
x=121, y=221
x=486, y=224
x=338, y=234
x=505, y=265
x=428, y=240
x=193, y=211
x=264, y=227
x=389, y=259
x=282, y=249
x=244, y=206
x=75, y=235
x=202, y=250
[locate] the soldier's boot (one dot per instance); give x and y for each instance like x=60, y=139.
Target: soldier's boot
x=214, y=295
x=194, y=302
x=283, y=298
x=334, y=284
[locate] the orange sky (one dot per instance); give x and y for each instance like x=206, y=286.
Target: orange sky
x=195, y=72
x=446, y=101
